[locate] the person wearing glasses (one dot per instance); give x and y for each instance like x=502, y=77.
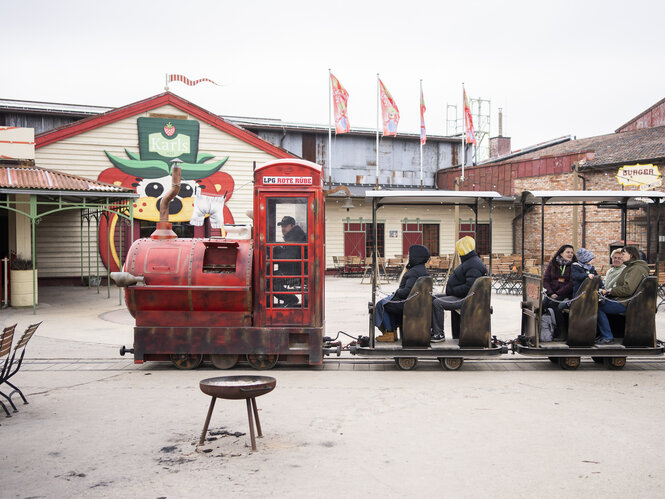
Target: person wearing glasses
x=615, y=270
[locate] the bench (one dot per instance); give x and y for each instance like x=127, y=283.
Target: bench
x=640, y=316
x=417, y=316
x=472, y=322
x=583, y=314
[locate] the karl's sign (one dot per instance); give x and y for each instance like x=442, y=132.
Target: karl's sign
x=645, y=176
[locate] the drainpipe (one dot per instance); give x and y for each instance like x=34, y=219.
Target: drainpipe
x=5, y=296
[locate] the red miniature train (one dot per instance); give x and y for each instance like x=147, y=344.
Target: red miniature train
x=257, y=293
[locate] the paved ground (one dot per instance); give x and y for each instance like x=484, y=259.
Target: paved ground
x=99, y=426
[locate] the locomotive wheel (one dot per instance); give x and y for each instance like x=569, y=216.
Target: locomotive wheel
x=451, y=363
x=569, y=363
x=615, y=362
x=598, y=360
x=186, y=361
x=406, y=363
x=224, y=361
x=261, y=361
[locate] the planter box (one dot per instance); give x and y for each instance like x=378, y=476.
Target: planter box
x=21, y=293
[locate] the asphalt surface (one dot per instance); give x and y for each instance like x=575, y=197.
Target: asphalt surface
x=98, y=425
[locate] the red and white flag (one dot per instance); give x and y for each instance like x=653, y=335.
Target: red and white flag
x=423, y=134
x=187, y=81
x=340, y=98
x=468, y=123
x=389, y=111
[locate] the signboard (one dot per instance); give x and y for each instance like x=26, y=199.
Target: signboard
x=165, y=139
x=17, y=143
x=645, y=176
x=287, y=180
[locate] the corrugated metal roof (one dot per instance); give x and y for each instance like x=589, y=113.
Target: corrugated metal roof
x=35, y=178
x=277, y=124
x=50, y=107
x=645, y=144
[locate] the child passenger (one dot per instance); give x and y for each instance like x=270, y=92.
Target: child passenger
x=582, y=268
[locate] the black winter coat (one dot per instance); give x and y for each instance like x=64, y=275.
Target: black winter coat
x=579, y=273
x=409, y=280
x=418, y=256
x=295, y=235
x=463, y=277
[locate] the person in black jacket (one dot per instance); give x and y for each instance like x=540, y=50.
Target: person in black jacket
x=292, y=233
x=388, y=311
x=458, y=286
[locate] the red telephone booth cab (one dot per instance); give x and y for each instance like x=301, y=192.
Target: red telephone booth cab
x=289, y=235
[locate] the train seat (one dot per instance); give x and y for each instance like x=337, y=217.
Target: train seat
x=583, y=314
x=639, y=320
x=417, y=316
x=472, y=323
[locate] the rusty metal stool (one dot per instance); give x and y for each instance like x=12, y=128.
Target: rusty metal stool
x=235, y=388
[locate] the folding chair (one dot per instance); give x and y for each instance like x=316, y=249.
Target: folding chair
x=5, y=348
x=14, y=364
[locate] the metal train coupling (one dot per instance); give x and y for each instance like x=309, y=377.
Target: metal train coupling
x=124, y=350
x=331, y=347
x=500, y=343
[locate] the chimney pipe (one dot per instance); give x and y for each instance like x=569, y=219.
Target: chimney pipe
x=500, y=122
x=164, y=228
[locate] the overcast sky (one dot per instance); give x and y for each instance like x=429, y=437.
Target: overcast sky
x=579, y=68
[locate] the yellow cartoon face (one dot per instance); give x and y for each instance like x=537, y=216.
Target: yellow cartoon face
x=151, y=192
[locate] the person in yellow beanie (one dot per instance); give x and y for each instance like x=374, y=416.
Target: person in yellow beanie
x=458, y=286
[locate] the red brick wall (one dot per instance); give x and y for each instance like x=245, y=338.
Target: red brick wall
x=499, y=177
x=602, y=225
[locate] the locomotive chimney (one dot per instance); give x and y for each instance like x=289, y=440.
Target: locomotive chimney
x=164, y=228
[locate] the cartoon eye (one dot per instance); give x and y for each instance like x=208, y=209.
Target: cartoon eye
x=185, y=191
x=154, y=189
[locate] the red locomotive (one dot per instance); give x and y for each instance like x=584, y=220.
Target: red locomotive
x=257, y=293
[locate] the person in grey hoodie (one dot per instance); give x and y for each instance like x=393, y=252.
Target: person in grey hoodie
x=625, y=287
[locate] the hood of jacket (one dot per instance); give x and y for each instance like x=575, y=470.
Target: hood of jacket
x=636, y=264
x=418, y=255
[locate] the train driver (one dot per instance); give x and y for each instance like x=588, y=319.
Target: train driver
x=292, y=233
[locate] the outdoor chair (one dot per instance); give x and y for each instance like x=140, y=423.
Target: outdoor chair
x=5, y=349
x=340, y=265
x=13, y=365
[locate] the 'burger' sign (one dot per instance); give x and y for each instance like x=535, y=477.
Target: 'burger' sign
x=644, y=176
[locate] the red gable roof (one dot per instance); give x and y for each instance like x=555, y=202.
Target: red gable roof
x=154, y=102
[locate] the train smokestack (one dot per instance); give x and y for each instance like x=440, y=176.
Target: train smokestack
x=164, y=228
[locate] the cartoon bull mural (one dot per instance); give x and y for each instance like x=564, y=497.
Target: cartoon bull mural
x=204, y=189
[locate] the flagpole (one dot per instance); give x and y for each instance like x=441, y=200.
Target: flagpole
x=464, y=130
x=378, y=105
x=329, y=128
x=166, y=82
x=420, y=103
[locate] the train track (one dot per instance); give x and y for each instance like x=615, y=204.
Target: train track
x=512, y=363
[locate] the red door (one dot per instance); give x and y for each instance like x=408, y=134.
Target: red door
x=411, y=234
x=354, y=239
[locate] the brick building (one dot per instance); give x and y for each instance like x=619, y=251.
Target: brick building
x=591, y=163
